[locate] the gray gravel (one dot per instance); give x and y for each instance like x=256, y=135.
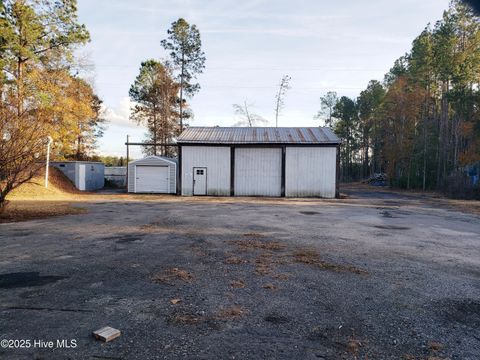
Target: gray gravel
x=397, y=277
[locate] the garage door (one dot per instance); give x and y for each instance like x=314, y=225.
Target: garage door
x=150, y=179
x=258, y=171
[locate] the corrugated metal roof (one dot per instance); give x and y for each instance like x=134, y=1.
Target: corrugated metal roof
x=258, y=135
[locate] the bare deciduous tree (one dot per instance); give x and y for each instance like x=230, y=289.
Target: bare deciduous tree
x=247, y=117
x=280, y=97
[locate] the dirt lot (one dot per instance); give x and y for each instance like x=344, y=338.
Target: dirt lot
x=378, y=275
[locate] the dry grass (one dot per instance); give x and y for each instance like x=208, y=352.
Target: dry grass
x=33, y=201
x=230, y=313
x=311, y=257
x=353, y=346
x=59, y=187
x=283, y=276
x=254, y=235
x=173, y=274
x=186, y=319
x=234, y=260
x=270, y=286
x=148, y=228
x=435, y=346
x=265, y=263
x=255, y=244
x=238, y=284
x=29, y=210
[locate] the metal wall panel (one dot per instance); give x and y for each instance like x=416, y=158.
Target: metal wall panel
x=217, y=161
x=310, y=171
x=258, y=171
x=91, y=178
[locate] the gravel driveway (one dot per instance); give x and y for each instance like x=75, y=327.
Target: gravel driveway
x=375, y=276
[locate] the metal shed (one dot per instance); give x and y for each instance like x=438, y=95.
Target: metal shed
x=85, y=175
x=153, y=174
x=263, y=161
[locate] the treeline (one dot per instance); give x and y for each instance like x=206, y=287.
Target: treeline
x=42, y=97
x=421, y=125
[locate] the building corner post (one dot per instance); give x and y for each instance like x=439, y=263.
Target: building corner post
x=284, y=155
x=179, y=171
x=337, y=174
x=232, y=170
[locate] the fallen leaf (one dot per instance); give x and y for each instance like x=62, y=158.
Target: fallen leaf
x=175, y=301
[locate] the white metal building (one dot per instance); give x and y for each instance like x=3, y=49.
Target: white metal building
x=85, y=175
x=153, y=174
x=254, y=161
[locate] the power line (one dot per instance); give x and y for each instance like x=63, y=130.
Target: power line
x=260, y=68
x=253, y=87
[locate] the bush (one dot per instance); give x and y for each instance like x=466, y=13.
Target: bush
x=459, y=186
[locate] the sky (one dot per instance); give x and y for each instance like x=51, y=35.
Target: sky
x=249, y=45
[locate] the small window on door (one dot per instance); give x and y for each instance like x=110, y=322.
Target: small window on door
x=199, y=172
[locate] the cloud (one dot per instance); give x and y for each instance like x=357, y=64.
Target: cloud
x=119, y=115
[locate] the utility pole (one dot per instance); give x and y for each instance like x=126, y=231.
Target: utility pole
x=126, y=180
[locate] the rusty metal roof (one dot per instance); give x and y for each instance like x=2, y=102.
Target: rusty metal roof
x=258, y=135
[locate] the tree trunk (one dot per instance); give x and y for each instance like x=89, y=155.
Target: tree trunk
x=181, y=92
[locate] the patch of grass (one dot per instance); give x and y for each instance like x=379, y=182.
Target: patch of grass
x=16, y=211
x=234, y=260
x=264, y=263
x=311, y=257
x=353, y=346
x=238, y=284
x=270, y=286
x=255, y=244
x=231, y=313
x=254, y=235
x=435, y=346
x=148, y=228
x=283, y=276
x=186, y=319
x=262, y=270
x=173, y=274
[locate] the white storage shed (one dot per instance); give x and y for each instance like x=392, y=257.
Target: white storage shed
x=85, y=175
x=153, y=174
x=258, y=161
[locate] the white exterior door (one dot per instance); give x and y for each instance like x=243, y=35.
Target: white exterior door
x=199, y=181
x=151, y=179
x=258, y=171
x=81, y=176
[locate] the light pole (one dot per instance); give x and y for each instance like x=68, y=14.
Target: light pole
x=48, y=160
